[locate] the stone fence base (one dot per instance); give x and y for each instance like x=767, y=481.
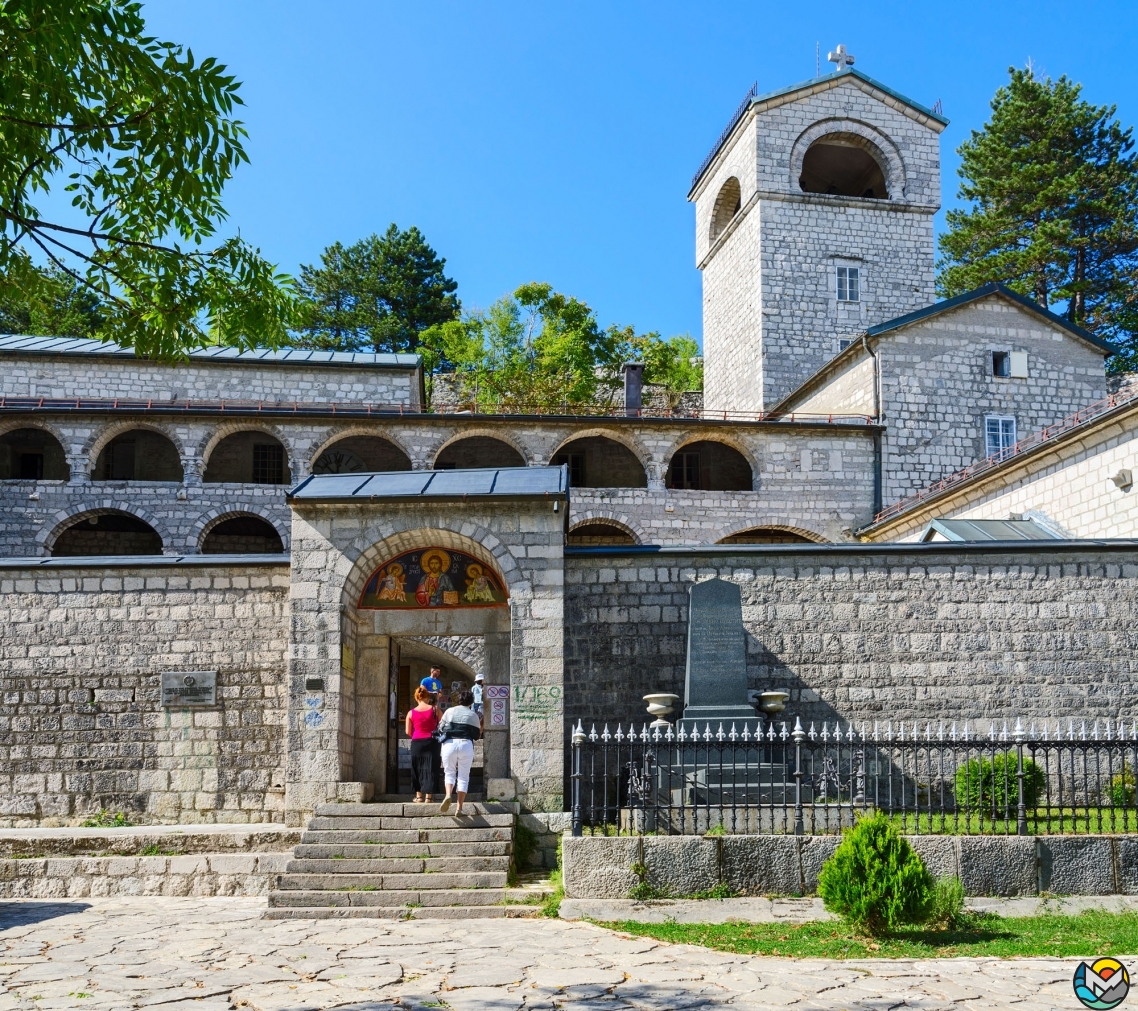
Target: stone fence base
x=149, y=860
x=609, y=867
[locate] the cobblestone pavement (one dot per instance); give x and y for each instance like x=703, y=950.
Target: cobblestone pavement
x=180, y=954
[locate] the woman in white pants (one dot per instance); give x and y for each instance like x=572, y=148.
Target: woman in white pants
x=460, y=727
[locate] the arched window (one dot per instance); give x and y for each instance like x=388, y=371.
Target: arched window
x=247, y=458
x=361, y=454
x=727, y=205
x=597, y=462
x=32, y=454
x=242, y=535
x=767, y=535
x=139, y=455
x=709, y=466
x=107, y=533
x=841, y=165
x=478, y=451
x=599, y=534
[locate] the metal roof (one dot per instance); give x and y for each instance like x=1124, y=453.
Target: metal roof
x=16, y=344
x=138, y=561
x=988, y=530
x=507, y=482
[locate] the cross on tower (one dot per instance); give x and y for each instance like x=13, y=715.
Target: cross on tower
x=840, y=57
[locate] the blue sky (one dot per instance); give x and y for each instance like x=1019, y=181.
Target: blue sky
x=556, y=142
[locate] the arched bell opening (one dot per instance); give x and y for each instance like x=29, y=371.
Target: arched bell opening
x=842, y=165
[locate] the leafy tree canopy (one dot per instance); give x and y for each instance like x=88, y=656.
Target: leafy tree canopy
x=139, y=134
x=378, y=294
x=541, y=350
x=61, y=307
x=1053, y=188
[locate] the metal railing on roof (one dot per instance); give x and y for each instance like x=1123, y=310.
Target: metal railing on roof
x=752, y=92
x=96, y=405
x=1085, y=416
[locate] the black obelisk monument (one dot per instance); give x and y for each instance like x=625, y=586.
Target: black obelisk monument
x=715, y=688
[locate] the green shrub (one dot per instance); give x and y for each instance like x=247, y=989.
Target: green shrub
x=948, y=902
x=1121, y=790
x=104, y=819
x=875, y=880
x=984, y=784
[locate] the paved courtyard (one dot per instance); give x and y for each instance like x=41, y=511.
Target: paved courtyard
x=182, y=954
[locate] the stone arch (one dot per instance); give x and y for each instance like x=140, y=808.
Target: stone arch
x=792, y=534
x=139, y=453
x=358, y=432
x=588, y=532
x=205, y=524
x=620, y=469
x=49, y=537
x=437, y=649
x=220, y=435
x=24, y=437
x=98, y=441
x=728, y=203
x=854, y=134
x=599, y=515
x=506, y=438
x=736, y=445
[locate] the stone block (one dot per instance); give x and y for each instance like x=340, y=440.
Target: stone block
x=998, y=865
x=1126, y=860
x=1076, y=865
x=599, y=867
x=681, y=865
x=761, y=864
x=814, y=851
x=355, y=793
x=232, y=863
x=939, y=854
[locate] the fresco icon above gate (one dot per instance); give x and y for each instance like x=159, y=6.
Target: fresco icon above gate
x=432, y=578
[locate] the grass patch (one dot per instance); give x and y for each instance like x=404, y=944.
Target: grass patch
x=552, y=906
x=154, y=850
x=1088, y=934
x=1040, y=821
x=107, y=819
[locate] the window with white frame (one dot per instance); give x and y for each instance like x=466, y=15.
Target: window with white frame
x=999, y=435
x=849, y=284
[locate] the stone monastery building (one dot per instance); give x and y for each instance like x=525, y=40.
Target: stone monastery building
x=928, y=506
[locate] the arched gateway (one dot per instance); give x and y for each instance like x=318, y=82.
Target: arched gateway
x=382, y=563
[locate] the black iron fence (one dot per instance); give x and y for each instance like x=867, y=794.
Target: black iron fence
x=1052, y=777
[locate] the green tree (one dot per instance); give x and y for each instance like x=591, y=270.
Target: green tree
x=380, y=293
x=675, y=364
x=533, y=350
x=139, y=133
x=61, y=307
x=1053, y=189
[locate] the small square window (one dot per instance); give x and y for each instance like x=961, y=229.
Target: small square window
x=849, y=284
x=1001, y=364
x=999, y=436
x=843, y=343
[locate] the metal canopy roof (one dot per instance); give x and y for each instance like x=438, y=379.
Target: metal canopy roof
x=508, y=482
x=16, y=344
x=988, y=530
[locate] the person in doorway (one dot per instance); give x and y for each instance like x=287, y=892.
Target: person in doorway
x=437, y=679
x=461, y=726
x=478, y=703
x=421, y=724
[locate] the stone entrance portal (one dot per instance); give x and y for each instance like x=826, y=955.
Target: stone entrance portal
x=417, y=561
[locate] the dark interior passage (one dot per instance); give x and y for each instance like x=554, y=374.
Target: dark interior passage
x=247, y=458
x=478, y=451
x=598, y=535
x=242, y=535
x=140, y=455
x=361, y=453
x=113, y=533
x=766, y=535
x=710, y=466
x=597, y=462
x=32, y=454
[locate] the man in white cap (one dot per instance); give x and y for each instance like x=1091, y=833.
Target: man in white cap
x=477, y=707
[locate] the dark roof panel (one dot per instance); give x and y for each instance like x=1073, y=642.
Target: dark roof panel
x=508, y=482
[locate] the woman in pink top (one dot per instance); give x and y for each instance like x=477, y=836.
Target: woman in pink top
x=420, y=726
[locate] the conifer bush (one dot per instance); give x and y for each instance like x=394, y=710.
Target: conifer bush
x=875, y=880
x=987, y=784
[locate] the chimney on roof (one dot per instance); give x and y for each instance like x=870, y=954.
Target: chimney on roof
x=633, y=380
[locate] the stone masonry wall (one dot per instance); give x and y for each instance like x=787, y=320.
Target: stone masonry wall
x=876, y=632
x=81, y=726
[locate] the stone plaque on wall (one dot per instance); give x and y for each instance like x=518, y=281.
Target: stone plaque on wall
x=189, y=688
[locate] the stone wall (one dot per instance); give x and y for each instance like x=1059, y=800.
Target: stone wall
x=81, y=657
x=869, y=632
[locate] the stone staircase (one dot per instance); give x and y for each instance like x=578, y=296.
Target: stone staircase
x=396, y=860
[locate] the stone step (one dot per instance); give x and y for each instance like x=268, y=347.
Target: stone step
x=397, y=851
x=408, y=897
x=399, y=865
x=402, y=823
x=404, y=913
x=387, y=882
x=337, y=837
x=403, y=809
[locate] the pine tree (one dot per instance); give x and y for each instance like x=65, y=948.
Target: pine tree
x=378, y=294
x=1053, y=186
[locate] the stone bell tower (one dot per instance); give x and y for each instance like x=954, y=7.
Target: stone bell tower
x=814, y=220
